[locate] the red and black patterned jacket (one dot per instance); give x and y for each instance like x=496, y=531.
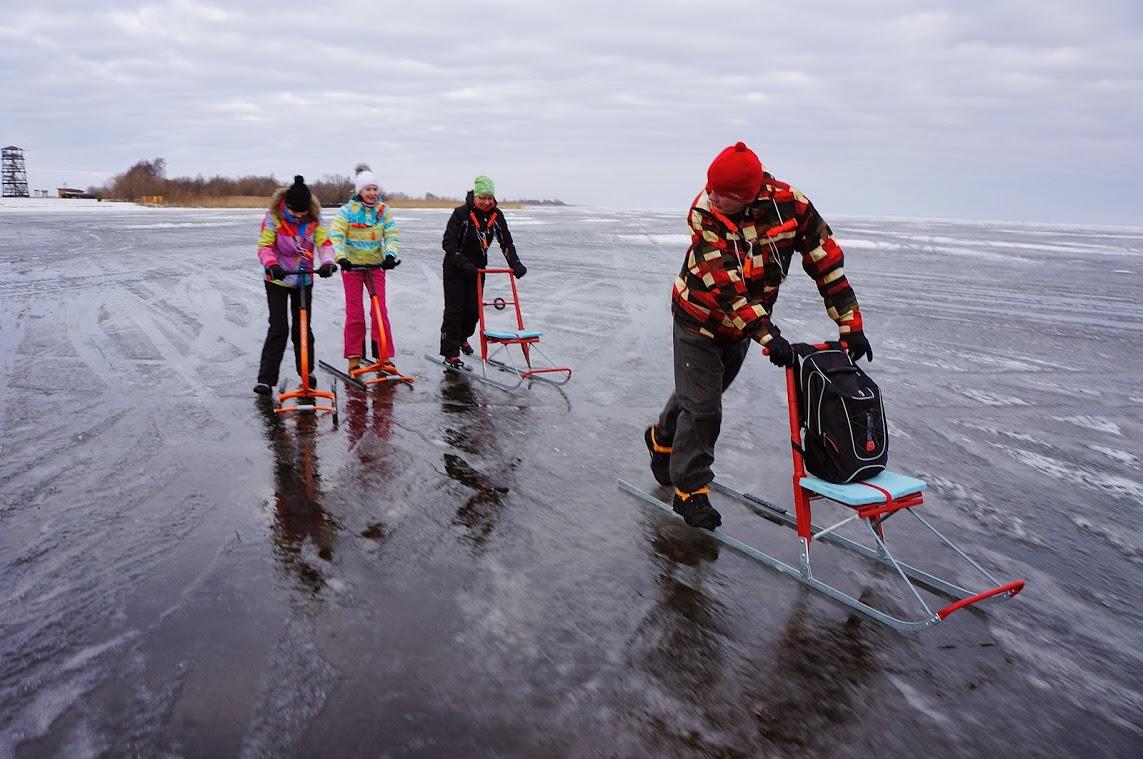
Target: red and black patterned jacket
x=733, y=269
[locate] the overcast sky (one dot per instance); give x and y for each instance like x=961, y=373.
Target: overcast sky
x=1006, y=109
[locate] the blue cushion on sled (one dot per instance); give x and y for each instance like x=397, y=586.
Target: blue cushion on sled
x=516, y=334
x=856, y=494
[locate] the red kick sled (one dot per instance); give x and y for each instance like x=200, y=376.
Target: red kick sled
x=494, y=343
x=871, y=503
x=382, y=368
x=305, y=398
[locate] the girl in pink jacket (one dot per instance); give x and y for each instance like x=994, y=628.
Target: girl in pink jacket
x=292, y=240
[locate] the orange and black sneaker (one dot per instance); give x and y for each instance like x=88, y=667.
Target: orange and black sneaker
x=466, y=349
x=660, y=456
x=695, y=509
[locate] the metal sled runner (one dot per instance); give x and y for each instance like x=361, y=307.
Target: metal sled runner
x=872, y=502
x=495, y=343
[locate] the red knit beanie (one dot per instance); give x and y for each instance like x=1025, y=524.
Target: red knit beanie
x=735, y=172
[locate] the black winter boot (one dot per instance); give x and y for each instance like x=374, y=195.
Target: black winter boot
x=660, y=456
x=696, y=510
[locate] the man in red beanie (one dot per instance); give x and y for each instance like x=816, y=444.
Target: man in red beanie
x=746, y=227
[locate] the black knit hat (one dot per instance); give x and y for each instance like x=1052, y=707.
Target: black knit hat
x=298, y=196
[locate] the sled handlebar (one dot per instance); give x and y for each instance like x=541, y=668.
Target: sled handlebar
x=1011, y=589
x=496, y=271
x=816, y=346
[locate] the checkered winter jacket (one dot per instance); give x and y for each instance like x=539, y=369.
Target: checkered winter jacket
x=733, y=269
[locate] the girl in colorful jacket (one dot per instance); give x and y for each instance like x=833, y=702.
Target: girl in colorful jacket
x=292, y=240
x=364, y=232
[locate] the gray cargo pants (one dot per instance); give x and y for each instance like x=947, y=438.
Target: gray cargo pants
x=693, y=414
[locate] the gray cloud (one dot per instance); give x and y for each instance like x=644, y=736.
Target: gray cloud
x=1015, y=110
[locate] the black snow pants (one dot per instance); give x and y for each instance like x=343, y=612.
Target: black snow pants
x=285, y=304
x=692, y=418
x=461, y=310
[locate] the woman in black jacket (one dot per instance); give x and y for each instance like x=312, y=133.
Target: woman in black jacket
x=470, y=231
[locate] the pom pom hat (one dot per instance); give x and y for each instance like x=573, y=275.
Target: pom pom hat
x=298, y=196
x=736, y=173
x=363, y=178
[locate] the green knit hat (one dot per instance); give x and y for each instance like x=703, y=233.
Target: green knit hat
x=483, y=186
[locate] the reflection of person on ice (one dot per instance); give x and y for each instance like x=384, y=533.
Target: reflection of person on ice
x=363, y=233
x=291, y=235
x=470, y=231
x=745, y=227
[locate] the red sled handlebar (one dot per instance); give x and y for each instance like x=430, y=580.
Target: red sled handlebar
x=1011, y=589
x=817, y=346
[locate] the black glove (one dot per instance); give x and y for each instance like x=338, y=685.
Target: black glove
x=779, y=352
x=390, y=262
x=519, y=270
x=276, y=271
x=326, y=271
x=469, y=269
x=857, y=345
x=344, y=264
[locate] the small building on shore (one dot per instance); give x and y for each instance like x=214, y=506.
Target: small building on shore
x=71, y=192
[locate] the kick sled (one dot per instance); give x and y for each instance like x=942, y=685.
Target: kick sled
x=870, y=503
x=382, y=370
x=306, y=399
x=495, y=353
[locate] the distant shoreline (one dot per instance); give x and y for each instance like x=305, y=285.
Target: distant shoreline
x=255, y=201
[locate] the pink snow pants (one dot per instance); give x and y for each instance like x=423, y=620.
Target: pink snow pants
x=356, y=304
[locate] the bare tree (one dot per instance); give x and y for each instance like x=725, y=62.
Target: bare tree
x=333, y=189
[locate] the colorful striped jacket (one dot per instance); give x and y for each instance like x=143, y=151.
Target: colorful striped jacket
x=363, y=234
x=732, y=271
x=292, y=245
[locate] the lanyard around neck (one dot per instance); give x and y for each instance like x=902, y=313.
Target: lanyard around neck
x=484, y=235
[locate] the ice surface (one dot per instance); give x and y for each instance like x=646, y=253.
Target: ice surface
x=454, y=572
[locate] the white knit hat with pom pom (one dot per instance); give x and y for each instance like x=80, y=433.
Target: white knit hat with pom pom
x=364, y=177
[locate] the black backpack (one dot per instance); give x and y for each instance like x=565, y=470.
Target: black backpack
x=843, y=421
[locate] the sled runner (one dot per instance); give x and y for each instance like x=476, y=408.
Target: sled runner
x=495, y=344
x=871, y=503
x=305, y=398
x=383, y=369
